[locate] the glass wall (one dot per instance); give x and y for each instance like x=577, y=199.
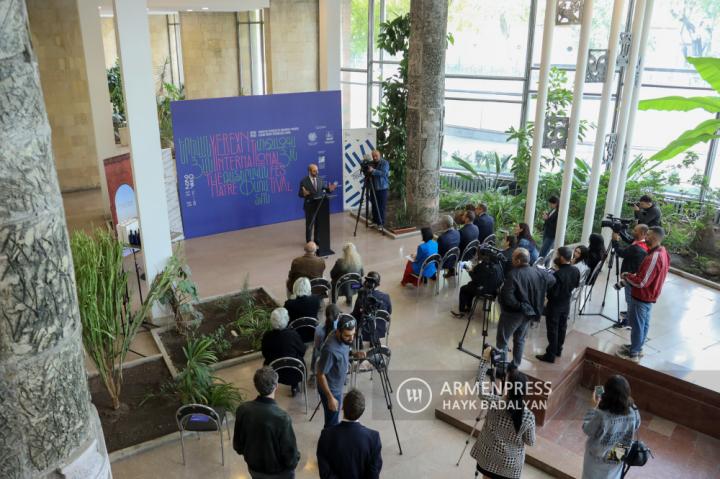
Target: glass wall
x=491, y=82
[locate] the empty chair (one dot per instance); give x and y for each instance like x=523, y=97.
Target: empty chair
x=468, y=254
x=349, y=281
x=320, y=287
x=291, y=371
x=490, y=240
x=201, y=418
x=432, y=259
x=305, y=327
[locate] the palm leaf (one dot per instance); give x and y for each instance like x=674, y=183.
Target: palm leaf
x=466, y=165
x=705, y=131
x=709, y=70
x=680, y=103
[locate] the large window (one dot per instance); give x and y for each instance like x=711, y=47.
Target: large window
x=491, y=83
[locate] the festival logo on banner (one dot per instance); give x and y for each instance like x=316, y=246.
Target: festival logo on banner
x=357, y=143
x=240, y=160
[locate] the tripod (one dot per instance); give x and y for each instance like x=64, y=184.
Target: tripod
x=488, y=301
x=611, y=257
x=364, y=198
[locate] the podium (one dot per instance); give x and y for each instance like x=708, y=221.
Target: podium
x=321, y=205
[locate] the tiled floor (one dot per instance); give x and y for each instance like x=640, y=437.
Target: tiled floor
x=685, y=333
x=679, y=451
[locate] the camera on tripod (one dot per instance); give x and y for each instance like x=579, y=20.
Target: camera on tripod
x=490, y=253
x=619, y=226
x=366, y=164
x=498, y=362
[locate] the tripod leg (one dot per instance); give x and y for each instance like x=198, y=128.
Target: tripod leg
x=315, y=411
x=467, y=441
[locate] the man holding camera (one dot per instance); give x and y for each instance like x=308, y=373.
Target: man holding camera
x=647, y=212
x=379, y=172
x=633, y=256
x=485, y=279
x=646, y=286
x=522, y=299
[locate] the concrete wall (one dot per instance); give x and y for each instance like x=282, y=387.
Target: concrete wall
x=158, y=46
x=56, y=36
x=210, y=54
x=291, y=33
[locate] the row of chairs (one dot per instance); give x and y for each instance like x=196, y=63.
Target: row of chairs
x=453, y=257
x=202, y=418
x=324, y=288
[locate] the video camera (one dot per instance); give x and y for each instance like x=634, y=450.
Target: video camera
x=619, y=226
x=365, y=165
x=498, y=363
x=490, y=253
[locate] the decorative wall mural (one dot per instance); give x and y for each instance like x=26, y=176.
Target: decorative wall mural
x=596, y=66
x=569, y=12
x=624, y=49
x=556, y=131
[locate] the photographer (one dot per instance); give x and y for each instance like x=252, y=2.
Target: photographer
x=379, y=172
x=364, y=305
x=647, y=212
x=485, y=279
x=522, y=299
x=633, y=256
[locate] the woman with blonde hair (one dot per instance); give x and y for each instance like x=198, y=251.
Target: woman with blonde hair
x=351, y=262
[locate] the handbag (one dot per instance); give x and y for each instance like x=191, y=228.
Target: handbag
x=638, y=453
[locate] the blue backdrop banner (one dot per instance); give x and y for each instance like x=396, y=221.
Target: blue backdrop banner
x=240, y=159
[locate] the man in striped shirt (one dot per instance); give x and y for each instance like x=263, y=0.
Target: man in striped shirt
x=646, y=286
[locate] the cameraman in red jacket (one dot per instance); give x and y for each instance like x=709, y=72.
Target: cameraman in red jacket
x=646, y=285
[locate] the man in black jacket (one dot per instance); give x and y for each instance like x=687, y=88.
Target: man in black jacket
x=647, y=212
x=380, y=301
x=484, y=222
x=485, y=279
x=633, y=256
x=549, y=226
x=522, y=298
x=350, y=450
x=264, y=432
x=567, y=278
x=468, y=232
x=448, y=239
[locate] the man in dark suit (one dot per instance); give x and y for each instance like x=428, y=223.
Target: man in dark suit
x=469, y=232
x=310, y=187
x=448, y=239
x=484, y=222
x=350, y=450
x=549, y=226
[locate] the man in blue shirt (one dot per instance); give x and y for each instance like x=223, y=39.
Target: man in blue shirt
x=332, y=367
x=380, y=173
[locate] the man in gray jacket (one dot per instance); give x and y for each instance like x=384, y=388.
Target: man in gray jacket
x=522, y=299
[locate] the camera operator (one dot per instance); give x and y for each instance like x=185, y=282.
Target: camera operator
x=370, y=300
x=633, y=256
x=522, y=299
x=485, y=279
x=647, y=212
x=379, y=172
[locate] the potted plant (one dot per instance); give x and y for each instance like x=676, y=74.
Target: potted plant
x=182, y=295
x=252, y=321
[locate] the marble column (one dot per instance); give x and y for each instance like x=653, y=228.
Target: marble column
x=49, y=426
x=426, y=107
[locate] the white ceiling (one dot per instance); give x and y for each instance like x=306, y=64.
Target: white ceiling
x=174, y=6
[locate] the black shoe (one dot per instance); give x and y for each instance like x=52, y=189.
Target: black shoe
x=621, y=324
x=458, y=315
x=545, y=358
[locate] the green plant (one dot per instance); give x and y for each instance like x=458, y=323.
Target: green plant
x=108, y=324
x=709, y=70
x=253, y=320
x=168, y=94
x=196, y=384
x=220, y=344
x=182, y=296
x=117, y=97
x=494, y=167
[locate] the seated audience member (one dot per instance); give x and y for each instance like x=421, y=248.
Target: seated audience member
x=448, y=239
x=427, y=248
x=509, y=244
x=283, y=342
x=380, y=301
x=350, y=450
x=468, y=232
x=596, y=251
x=580, y=258
x=557, y=309
x=323, y=330
x=500, y=446
x=611, y=423
x=349, y=263
x=525, y=240
x=484, y=222
x=304, y=303
x=485, y=279
x=263, y=432
x=308, y=265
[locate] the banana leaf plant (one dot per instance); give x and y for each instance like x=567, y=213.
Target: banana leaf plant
x=709, y=70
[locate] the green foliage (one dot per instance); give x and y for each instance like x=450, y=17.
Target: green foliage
x=182, y=295
x=220, y=343
x=493, y=165
x=253, y=321
x=108, y=324
x=394, y=38
x=709, y=70
x=168, y=94
x=196, y=384
x=117, y=97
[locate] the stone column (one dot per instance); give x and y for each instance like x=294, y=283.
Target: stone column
x=49, y=427
x=426, y=107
